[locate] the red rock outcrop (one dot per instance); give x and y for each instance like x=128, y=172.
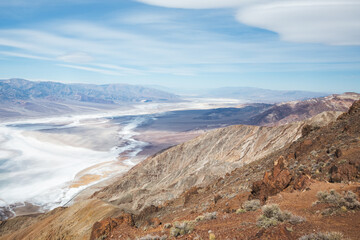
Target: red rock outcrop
x=273, y=182
x=103, y=229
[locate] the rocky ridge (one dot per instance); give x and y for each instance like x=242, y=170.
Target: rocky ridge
x=320, y=153
x=199, y=161
x=322, y=160
x=287, y=112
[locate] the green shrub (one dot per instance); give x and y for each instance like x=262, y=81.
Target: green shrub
x=210, y=216
x=151, y=237
x=322, y=236
x=167, y=225
x=272, y=215
x=182, y=228
x=240, y=210
x=199, y=218
x=252, y=205
x=337, y=201
x=212, y=236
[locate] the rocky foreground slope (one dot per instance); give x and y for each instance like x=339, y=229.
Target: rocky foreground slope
x=210, y=179
x=163, y=177
x=199, y=161
x=314, y=182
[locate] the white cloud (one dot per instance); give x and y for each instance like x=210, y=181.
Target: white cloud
x=119, y=68
x=146, y=18
x=199, y=4
x=76, y=57
x=24, y=55
x=88, y=30
x=91, y=69
x=334, y=22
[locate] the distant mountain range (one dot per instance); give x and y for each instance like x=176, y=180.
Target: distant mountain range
x=260, y=95
x=207, y=183
x=20, y=89
x=21, y=98
x=249, y=94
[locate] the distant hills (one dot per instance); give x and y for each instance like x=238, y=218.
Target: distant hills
x=21, y=98
x=207, y=182
x=260, y=95
x=288, y=112
x=20, y=89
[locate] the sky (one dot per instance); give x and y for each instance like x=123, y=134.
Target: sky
x=276, y=44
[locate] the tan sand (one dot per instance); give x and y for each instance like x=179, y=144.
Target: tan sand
x=86, y=180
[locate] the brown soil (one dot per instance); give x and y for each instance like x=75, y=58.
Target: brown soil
x=309, y=164
x=85, y=180
x=321, y=159
x=230, y=225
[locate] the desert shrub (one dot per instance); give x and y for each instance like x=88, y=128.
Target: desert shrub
x=322, y=236
x=151, y=237
x=252, y=205
x=331, y=197
x=296, y=219
x=337, y=201
x=212, y=236
x=351, y=200
x=272, y=215
x=167, y=225
x=240, y=210
x=210, y=216
x=199, y=218
x=206, y=217
x=182, y=228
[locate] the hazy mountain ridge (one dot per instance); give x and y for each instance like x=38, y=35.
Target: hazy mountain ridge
x=173, y=173
x=287, y=112
x=21, y=98
x=262, y=95
x=20, y=89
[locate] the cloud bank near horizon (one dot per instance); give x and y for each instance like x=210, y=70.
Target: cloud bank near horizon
x=333, y=22
x=181, y=42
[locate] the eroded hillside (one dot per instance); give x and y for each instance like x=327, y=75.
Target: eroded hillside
x=287, y=112
x=199, y=161
x=200, y=189
x=315, y=181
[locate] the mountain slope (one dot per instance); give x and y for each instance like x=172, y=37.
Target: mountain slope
x=21, y=98
x=199, y=161
x=287, y=112
x=261, y=95
x=20, y=89
x=178, y=169
x=162, y=177
x=322, y=159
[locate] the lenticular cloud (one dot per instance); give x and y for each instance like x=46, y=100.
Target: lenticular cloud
x=333, y=22
x=323, y=21
x=199, y=4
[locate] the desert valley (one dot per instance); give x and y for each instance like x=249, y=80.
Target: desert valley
x=179, y=120
x=178, y=168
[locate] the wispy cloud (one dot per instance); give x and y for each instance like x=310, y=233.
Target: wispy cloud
x=333, y=22
x=24, y=55
x=91, y=69
x=199, y=4
x=76, y=57
x=152, y=43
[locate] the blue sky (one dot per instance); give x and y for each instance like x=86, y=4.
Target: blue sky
x=277, y=44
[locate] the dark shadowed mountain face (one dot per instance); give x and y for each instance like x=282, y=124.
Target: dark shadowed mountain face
x=299, y=110
x=261, y=95
x=19, y=89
